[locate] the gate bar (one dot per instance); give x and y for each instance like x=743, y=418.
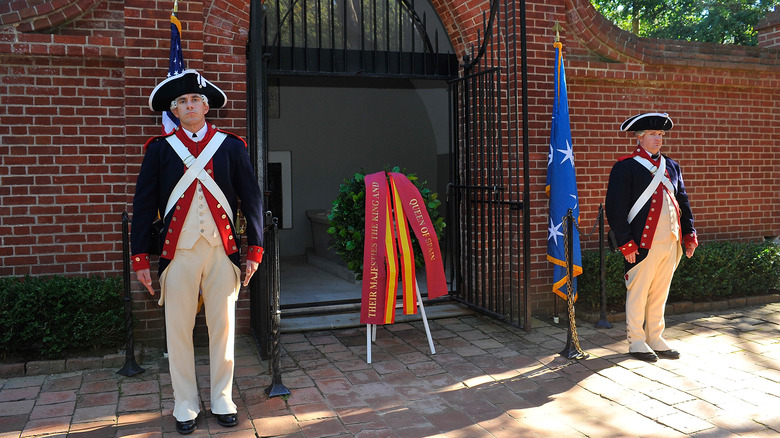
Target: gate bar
x=526, y=170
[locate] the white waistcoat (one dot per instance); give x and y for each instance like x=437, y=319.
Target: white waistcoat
x=198, y=223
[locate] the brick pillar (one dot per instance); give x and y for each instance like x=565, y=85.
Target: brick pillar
x=769, y=31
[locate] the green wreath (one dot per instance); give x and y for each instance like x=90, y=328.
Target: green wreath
x=347, y=219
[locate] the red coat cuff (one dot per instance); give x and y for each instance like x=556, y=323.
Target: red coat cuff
x=629, y=248
x=140, y=261
x=690, y=240
x=255, y=254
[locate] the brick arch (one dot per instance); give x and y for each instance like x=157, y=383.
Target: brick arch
x=226, y=23
x=603, y=38
x=42, y=15
x=457, y=24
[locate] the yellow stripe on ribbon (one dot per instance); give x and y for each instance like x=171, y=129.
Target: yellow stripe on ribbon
x=405, y=250
x=392, y=266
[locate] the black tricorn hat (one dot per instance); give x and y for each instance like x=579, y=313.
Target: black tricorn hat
x=648, y=121
x=186, y=82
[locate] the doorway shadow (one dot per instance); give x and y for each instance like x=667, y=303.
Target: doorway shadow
x=304, y=284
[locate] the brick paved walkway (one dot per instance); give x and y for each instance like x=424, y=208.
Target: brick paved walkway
x=486, y=380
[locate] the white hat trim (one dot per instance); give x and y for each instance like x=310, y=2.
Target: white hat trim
x=201, y=81
x=641, y=116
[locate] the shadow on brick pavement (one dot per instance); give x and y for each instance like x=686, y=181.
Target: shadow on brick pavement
x=487, y=379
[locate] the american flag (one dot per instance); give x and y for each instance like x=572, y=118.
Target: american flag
x=175, y=66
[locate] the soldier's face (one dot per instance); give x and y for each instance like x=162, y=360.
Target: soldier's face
x=191, y=111
x=652, y=141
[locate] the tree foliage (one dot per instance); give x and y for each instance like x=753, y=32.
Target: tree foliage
x=713, y=21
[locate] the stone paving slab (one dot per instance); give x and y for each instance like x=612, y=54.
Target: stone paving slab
x=487, y=379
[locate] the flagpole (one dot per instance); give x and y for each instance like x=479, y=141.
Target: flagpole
x=557, y=28
x=175, y=66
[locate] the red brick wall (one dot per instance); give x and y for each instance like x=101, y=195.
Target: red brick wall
x=73, y=117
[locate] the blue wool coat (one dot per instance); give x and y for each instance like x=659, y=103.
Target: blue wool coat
x=627, y=180
x=162, y=168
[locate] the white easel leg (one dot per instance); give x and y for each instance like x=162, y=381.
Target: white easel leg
x=368, y=342
x=424, y=318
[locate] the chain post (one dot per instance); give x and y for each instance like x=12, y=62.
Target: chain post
x=572, y=349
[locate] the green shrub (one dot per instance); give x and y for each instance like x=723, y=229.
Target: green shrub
x=717, y=270
x=48, y=317
x=589, y=286
x=347, y=219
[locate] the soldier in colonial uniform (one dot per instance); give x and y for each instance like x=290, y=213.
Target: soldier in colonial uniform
x=648, y=211
x=193, y=179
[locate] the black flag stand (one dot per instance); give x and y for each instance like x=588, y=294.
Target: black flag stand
x=602, y=322
x=131, y=368
x=276, y=388
x=572, y=349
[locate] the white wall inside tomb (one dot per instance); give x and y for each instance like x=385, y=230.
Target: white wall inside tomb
x=333, y=129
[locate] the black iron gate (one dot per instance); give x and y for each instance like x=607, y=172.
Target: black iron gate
x=260, y=288
x=338, y=38
x=485, y=197
x=354, y=38
x=489, y=159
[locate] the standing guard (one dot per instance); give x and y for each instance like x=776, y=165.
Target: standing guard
x=648, y=210
x=192, y=179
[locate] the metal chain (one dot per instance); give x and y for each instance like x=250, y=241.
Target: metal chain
x=569, y=287
x=577, y=226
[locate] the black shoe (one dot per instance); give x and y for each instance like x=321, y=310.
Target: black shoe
x=647, y=357
x=227, y=420
x=668, y=354
x=186, y=427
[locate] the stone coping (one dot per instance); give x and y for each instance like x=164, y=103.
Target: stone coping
x=42, y=367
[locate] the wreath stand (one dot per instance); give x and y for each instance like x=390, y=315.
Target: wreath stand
x=371, y=328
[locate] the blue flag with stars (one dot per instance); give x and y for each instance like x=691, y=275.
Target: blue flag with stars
x=175, y=66
x=562, y=187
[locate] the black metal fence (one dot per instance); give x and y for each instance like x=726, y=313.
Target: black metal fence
x=264, y=290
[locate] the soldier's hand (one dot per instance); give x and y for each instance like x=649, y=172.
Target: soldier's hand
x=145, y=277
x=631, y=258
x=251, y=268
x=689, y=250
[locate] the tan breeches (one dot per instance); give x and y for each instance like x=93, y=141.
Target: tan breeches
x=207, y=269
x=648, y=288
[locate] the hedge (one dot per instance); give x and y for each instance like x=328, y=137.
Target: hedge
x=49, y=317
x=717, y=270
